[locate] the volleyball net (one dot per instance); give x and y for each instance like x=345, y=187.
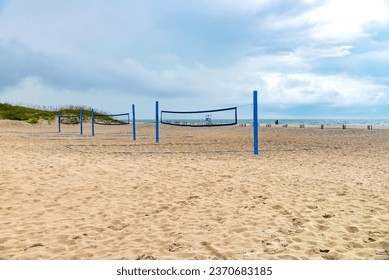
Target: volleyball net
x=112, y=119
x=70, y=119
x=205, y=118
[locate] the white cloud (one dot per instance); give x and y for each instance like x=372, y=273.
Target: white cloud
x=308, y=88
x=202, y=87
x=119, y=52
x=336, y=20
x=233, y=84
x=343, y=20
x=312, y=53
x=32, y=91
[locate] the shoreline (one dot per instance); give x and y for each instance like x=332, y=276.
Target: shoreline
x=240, y=123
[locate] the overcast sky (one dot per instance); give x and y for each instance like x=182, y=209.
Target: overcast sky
x=307, y=58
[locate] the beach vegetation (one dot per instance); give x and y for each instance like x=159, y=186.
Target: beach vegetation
x=21, y=113
x=34, y=114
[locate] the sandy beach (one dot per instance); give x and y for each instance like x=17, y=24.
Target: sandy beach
x=200, y=193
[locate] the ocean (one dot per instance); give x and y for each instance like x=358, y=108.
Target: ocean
x=350, y=122
x=347, y=122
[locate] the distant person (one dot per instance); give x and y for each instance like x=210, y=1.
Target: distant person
x=276, y=121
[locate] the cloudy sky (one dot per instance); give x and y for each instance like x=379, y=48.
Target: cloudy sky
x=307, y=58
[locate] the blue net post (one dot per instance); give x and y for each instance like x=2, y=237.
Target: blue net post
x=255, y=121
x=156, y=123
x=93, y=122
x=133, y=123
x=80, y=121
x=59, y=122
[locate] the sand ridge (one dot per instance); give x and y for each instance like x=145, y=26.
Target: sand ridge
x=198, y=194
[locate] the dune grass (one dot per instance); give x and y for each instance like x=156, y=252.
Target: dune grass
x=34, y=115
x=20, y=113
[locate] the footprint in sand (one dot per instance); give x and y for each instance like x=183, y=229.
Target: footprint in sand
x=80, y=236
x=183, y=202
x=297, y=222
x=383, y=252
x=369, y=240
x=329, y=255
x=341, y=194
x=249, y=207
x=145, y=257
x=277, y=207
x=373, y=236
x=220, y=220
x=286, y=212
x=322, y=227
x=275, y=245
x=118, y=227
x=259, y=197
x=36, y=245
x=327, y=216
x=207, y=227
x=377, y=234
x=176, y=246
x=352, y=229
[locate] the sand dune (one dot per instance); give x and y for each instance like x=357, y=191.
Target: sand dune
x=199, y=194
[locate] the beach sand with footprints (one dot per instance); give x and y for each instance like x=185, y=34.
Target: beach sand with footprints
x=200, y=193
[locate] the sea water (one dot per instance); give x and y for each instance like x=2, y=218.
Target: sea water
x=334, y=122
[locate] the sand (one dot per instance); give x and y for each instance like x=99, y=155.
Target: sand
x=199, y=194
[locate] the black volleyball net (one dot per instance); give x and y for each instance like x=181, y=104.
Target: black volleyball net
x=69, y=119
x=205, y=118
x=112, y=119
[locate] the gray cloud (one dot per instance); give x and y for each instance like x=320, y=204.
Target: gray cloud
x=189, y=53
x=19, y=62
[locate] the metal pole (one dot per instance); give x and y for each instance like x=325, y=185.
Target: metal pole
x=59, y=122
x=133, y=123
x=81, y=122
x=156, y=123
x=255, y=122
x=93, y=122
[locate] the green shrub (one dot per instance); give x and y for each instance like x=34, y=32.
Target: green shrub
x=33, y=115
